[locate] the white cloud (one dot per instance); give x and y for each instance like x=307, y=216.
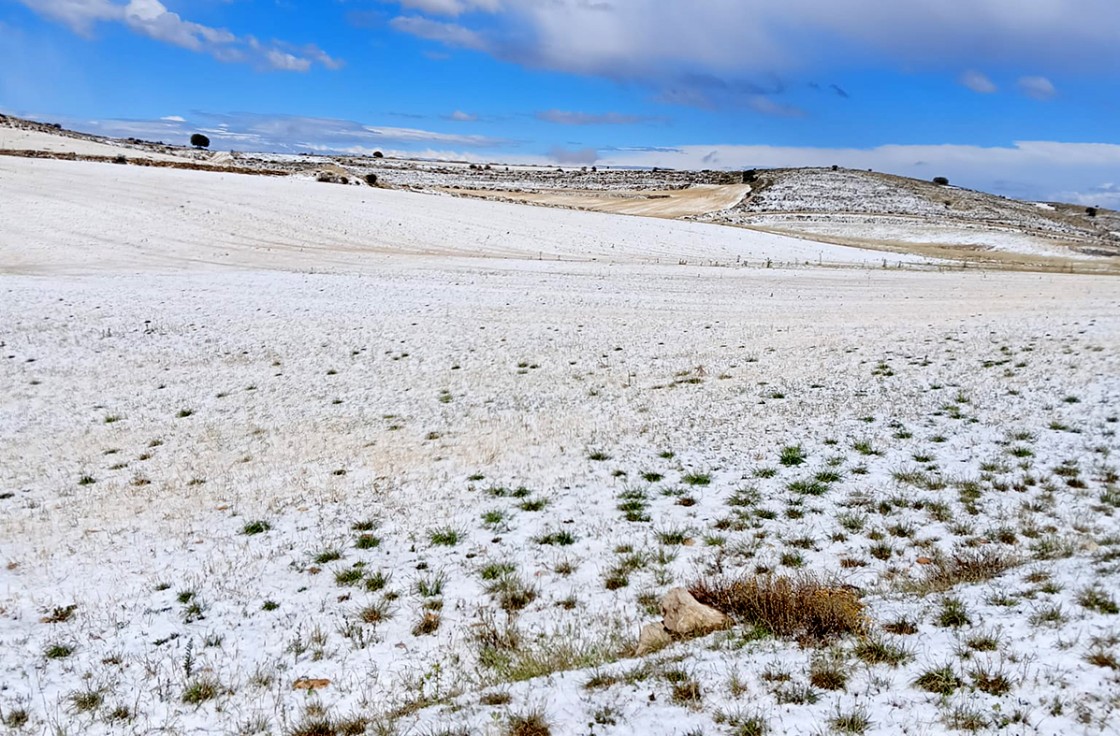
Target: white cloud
x=151, y=18
x=1025, y=170
x=978, y=82
x=564, y=117
x=284, y=61
x=79, y=15
x=450, y=7
x=1106, y=195
x=449, y=34
x=462, y=117
x=661, y=42
x=247, y=131
x=1039, y=88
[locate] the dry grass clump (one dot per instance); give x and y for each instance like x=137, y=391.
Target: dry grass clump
x=528, y=724
x=965, y=566
x=802, y=608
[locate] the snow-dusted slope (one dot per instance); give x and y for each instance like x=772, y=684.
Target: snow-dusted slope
x=59, y=215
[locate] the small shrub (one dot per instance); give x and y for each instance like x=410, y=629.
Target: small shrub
x=445, y=537
x=802, y=608
x=58, y=651
x=991, y=680
x=327, y=555
x=367, y=541
x=966, y=566
x=828, y=674
x=528, y=724
x=796, y=694
x=200, y=690
x=561, y=538
x=1097, y=599
x=1098, y=656
x=902, y=626
x=877, y=650
x=953, y=614
x=375, y=613
x=939, y=680
x=350, y=575
x=84, y=701
x=431, y=586
x=377, y=581
x=791, y=455
x=512, y=592
x=428, y=624
x=256, y=527
x=15, y=718
x=686, y=691
x=941, y=181
x=856, y=721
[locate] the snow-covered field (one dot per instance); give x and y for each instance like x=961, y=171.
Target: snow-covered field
x=58, y=216
x=293, y=458
x=919, y=231
x=15, y=139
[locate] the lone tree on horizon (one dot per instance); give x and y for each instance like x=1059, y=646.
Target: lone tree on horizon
x=198, y=140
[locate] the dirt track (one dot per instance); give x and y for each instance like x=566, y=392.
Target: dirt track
x=697, y=200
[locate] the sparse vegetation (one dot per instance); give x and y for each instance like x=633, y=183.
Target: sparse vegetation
x=803, y=608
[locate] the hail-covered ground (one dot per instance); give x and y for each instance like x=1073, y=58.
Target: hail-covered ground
x=282, y=457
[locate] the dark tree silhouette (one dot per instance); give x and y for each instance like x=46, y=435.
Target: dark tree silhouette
x=198, y=140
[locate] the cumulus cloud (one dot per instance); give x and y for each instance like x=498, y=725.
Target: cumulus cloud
x=462, y=117
x=151, y=18
x=659, y=42
x=978, y=82
x=1038, y=88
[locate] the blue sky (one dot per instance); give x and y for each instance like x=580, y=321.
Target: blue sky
x=1021, y=97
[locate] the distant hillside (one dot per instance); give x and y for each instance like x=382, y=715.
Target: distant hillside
x=898, y=213
x=843, y=206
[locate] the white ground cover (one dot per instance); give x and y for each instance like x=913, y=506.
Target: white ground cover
x=17, y=139
x=906, y=230
x=263, y=440
x=103, y=216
